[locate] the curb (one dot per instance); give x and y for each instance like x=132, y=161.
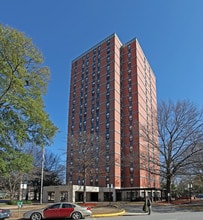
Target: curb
x=122, y=212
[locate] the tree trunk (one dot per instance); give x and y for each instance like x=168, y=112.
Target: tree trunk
x=84, y=193
x=168, y=188
x=84, y=188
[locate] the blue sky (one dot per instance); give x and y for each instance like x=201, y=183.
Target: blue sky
x=169, y=31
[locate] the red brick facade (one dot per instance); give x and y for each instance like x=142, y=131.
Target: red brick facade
x=112, y=92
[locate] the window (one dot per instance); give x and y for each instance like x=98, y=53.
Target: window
x=97, y=160
x=107, y=147
x=55, y=206
x=67, y=205
x=107, y=157
x=96, y=182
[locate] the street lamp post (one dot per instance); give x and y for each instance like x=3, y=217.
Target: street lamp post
x=42, y=176
x=190, y=191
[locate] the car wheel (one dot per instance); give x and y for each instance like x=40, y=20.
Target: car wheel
x=36, y=216
x=76, y=215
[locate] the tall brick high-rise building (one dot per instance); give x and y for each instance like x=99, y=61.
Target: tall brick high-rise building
x=113, y=95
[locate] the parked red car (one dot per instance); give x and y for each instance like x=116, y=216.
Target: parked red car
x=59, y=210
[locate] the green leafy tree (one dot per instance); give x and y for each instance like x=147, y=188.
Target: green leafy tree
x=17, y=164
x=23, y=82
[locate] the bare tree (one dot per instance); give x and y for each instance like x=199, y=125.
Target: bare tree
x=180, y=131
x=53, y=172
x=197, y=163
x=85, y=156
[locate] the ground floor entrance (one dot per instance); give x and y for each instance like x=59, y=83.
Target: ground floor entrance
x=75, y=193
